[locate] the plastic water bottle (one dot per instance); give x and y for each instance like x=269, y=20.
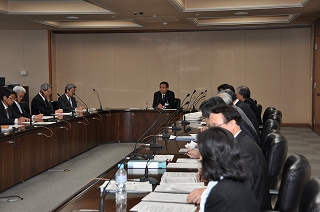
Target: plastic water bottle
x=121, y=191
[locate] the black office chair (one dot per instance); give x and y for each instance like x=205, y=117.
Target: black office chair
x=275, y=150
x=295, y=175
x=259, y=106
x=310, y=199
x=266, y=113
x=269, y=126
x=276, y=117
x=177, y=103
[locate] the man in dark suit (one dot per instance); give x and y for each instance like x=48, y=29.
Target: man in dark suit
x=18, y=107
x=163, y=98
x=40, y=103
x=227, y=117
x=7, y=115
x=243, y=93
x=67, y=102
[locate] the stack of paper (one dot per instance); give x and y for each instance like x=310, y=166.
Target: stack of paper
x=185, y=163
x=132, y=187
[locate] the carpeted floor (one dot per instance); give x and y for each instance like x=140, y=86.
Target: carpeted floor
x=45, y=191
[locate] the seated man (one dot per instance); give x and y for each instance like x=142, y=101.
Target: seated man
x=7, y=115
x=19, y=108
x=228, y=118
x=163, y=98
x=67, y=102
x=40, y=103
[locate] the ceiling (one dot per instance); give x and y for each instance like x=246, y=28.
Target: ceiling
x=155, y=15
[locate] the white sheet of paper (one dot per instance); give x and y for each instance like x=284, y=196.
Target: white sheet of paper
x=183, y=150
x=163, y=157
x=178, y=174
x=182, y=188
x=132, y=187
x=179, y=180
x=183, y=165
x=188, y=160
x=166, y=197
x=163, y=207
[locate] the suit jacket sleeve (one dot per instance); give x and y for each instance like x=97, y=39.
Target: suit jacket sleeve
x=39, y=106
x=3, y=116
x=171, y=97
x=64, y=104
x=155, y=100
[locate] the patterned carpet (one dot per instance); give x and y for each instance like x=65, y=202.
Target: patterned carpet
x=305, y=142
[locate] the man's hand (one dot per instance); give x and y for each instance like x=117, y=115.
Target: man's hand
x=195, y=195
x=160, y=106
x=23, y=119
x=59, y=111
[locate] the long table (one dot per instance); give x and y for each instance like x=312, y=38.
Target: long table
x=88, y=197
x=28, y=152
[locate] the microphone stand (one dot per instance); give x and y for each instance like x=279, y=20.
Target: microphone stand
x=195, y=103
x=134, y=156
x=87, y=111
x=185, y=99
x=146, y=177
x=188, y=109
x=94, y=91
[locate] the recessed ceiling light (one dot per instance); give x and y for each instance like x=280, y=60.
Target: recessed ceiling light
x=164, y=23
x=72, y=17
x=241, y=13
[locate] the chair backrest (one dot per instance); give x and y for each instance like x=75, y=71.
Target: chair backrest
x=310, y=199
x=276, y=112
x=259, y=106
x=54, y=105
x=177, y=103
x=295, y=175
x=277, y=118
x=266, y=113
x=269, y=126
x=275, y=150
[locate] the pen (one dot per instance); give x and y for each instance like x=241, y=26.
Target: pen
x=189, y=151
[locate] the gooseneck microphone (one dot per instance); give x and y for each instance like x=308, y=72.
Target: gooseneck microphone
x=185, y=99
x=146, y=177
x=87, y=110
x=189, y=108
x=94, y=91
x=197, y=101
x=134, y=156
x=58, y=94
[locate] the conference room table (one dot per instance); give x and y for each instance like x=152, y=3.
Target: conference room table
x=26, y=152
x=88, y=197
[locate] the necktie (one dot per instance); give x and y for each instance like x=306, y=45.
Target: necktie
x=7, y=111
x=70, y=101
x=162, y=97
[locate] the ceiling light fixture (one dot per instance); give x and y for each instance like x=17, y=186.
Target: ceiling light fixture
x=241, y=13
x=73, y=17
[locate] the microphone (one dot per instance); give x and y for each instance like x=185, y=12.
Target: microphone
x=197, y=101
x=87, y=111
x=58, y=94
x=94, y=91
x=185, y=99
x=188, y=109
x=134, y=156
x=146, y=178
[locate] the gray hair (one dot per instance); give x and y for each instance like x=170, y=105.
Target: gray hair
x=226, y=97
x=19, y=89
x=45, y=86
x=68, y=87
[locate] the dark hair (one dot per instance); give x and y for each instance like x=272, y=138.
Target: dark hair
x=244, y=91
x=207, y=105
x=7, y=92
x=226, y=86
x=220, y=153
x=228, y=112
x=68, y=87
x=165, y=83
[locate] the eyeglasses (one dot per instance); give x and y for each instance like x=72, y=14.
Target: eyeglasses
x=219, y=125
x=11, y=98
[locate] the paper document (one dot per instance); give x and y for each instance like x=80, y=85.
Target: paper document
x=182, y=188
x=63, y=114
x=179, y=180
x=163, y=207
x=188, y=160
x=142, y=171
x=178, y=174
x=165, y=197
x=183, y=150
x=182, y=138
x=132, y=187
x=163, y=157
x=184, y=165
